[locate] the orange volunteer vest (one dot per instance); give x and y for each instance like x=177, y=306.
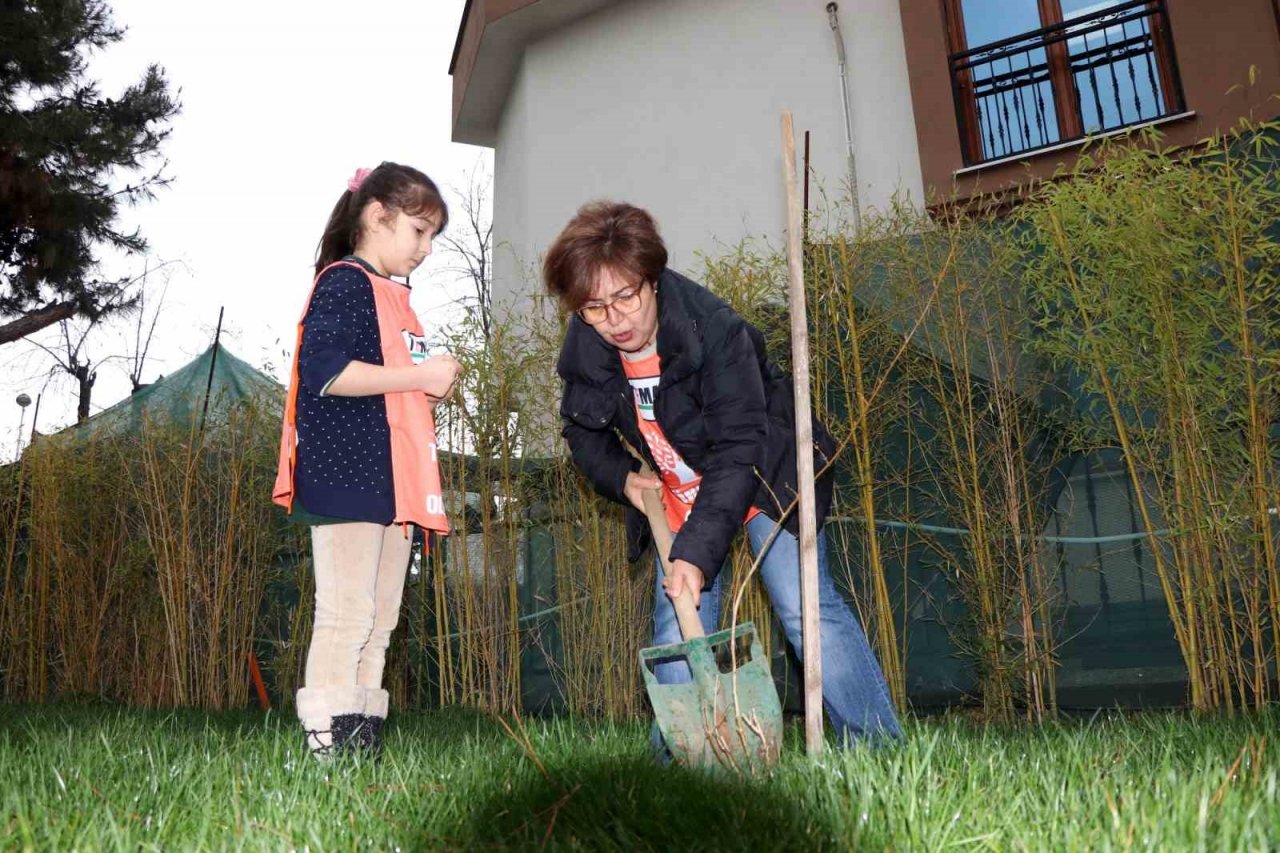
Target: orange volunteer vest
x=415, y=468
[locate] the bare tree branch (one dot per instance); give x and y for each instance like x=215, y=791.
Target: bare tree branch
x=471, y=246
x=141, y=343
x=71, y=357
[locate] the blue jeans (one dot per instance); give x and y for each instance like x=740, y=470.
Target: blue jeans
x=854, y=692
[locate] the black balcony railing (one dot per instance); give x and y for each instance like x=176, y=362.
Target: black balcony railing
x=1090, y=74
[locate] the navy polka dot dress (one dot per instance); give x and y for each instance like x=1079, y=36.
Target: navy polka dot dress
x=344, y=444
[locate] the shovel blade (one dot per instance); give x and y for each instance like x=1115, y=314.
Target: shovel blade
x=728, y=717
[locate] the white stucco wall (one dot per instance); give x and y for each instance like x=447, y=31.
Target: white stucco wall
x=674, y=105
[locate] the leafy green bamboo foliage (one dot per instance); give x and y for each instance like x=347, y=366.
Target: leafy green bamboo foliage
x=1152, y=280
x=978, y=398
x=850, y=358
x=82, y=543
x=974, y=411
x=754, y=283
x=142, y=564
x=916, y=334
x=76, y=580
x=1132, y=305
x=288, y=613
x=13, y=498
x=209, y=533
x=606, y=604
x=476, y=588
x=1244, y=247
x=507, y=488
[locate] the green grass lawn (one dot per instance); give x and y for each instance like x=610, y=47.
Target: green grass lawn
x=91, y=777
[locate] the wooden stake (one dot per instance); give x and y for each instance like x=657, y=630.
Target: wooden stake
x=804, y=452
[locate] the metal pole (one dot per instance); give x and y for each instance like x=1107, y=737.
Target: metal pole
x=208, y=387
x=812, y=642
x=806, y=186
x=35, y=416
x=834, y=20
x=23, y=401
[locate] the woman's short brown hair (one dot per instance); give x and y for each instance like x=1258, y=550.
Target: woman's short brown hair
x=602, y=235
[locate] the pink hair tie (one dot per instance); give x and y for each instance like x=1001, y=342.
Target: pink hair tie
x=354, y=182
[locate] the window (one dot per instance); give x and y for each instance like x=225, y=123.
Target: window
x=1027, y=74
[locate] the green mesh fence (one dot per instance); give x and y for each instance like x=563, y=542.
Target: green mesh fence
x=1115, y=644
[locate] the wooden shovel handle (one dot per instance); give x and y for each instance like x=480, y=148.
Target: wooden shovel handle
x=686, y=613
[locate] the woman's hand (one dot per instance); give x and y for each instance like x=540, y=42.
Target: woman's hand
x=684, y=575
x=438, y=375
x=635, y=486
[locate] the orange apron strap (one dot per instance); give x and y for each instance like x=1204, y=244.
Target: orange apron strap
x=291, y=413
x=282, y=493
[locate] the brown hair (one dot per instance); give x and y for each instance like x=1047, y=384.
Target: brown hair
x=602, y=234
x=397, y=187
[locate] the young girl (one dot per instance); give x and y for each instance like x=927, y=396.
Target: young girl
x=358, y=450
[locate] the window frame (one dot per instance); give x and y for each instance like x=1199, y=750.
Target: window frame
x=1069, y=117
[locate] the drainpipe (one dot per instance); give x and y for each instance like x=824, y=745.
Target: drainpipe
x=834, y=20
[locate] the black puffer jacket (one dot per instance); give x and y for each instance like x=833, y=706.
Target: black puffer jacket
x=722, y=404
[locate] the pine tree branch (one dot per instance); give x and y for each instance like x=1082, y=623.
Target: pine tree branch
x=27, y=324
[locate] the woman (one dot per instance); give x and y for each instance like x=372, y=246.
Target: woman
x=658, y=360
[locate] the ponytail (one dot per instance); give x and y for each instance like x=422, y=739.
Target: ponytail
x=397, y=187
x=339, y=238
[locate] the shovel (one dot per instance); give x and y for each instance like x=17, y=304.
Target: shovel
x=729, y=717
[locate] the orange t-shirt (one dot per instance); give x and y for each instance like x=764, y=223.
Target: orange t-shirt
x=679, y=482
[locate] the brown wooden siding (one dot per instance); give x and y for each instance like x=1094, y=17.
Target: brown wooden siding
x=1216, y=43
x=477, y=15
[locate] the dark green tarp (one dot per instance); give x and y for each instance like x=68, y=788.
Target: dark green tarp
x=182, y=394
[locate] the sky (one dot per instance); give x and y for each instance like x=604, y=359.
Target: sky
x=281, y=102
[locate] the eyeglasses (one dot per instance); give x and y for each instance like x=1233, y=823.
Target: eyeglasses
x=625, y=302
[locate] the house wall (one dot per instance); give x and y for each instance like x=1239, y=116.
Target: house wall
x=513, y=157
x=674, y=105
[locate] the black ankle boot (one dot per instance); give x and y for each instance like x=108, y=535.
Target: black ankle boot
x=348, y=732
x=371, y=735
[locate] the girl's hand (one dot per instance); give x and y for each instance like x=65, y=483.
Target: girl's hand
x=635, y=486
x=438, y=374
